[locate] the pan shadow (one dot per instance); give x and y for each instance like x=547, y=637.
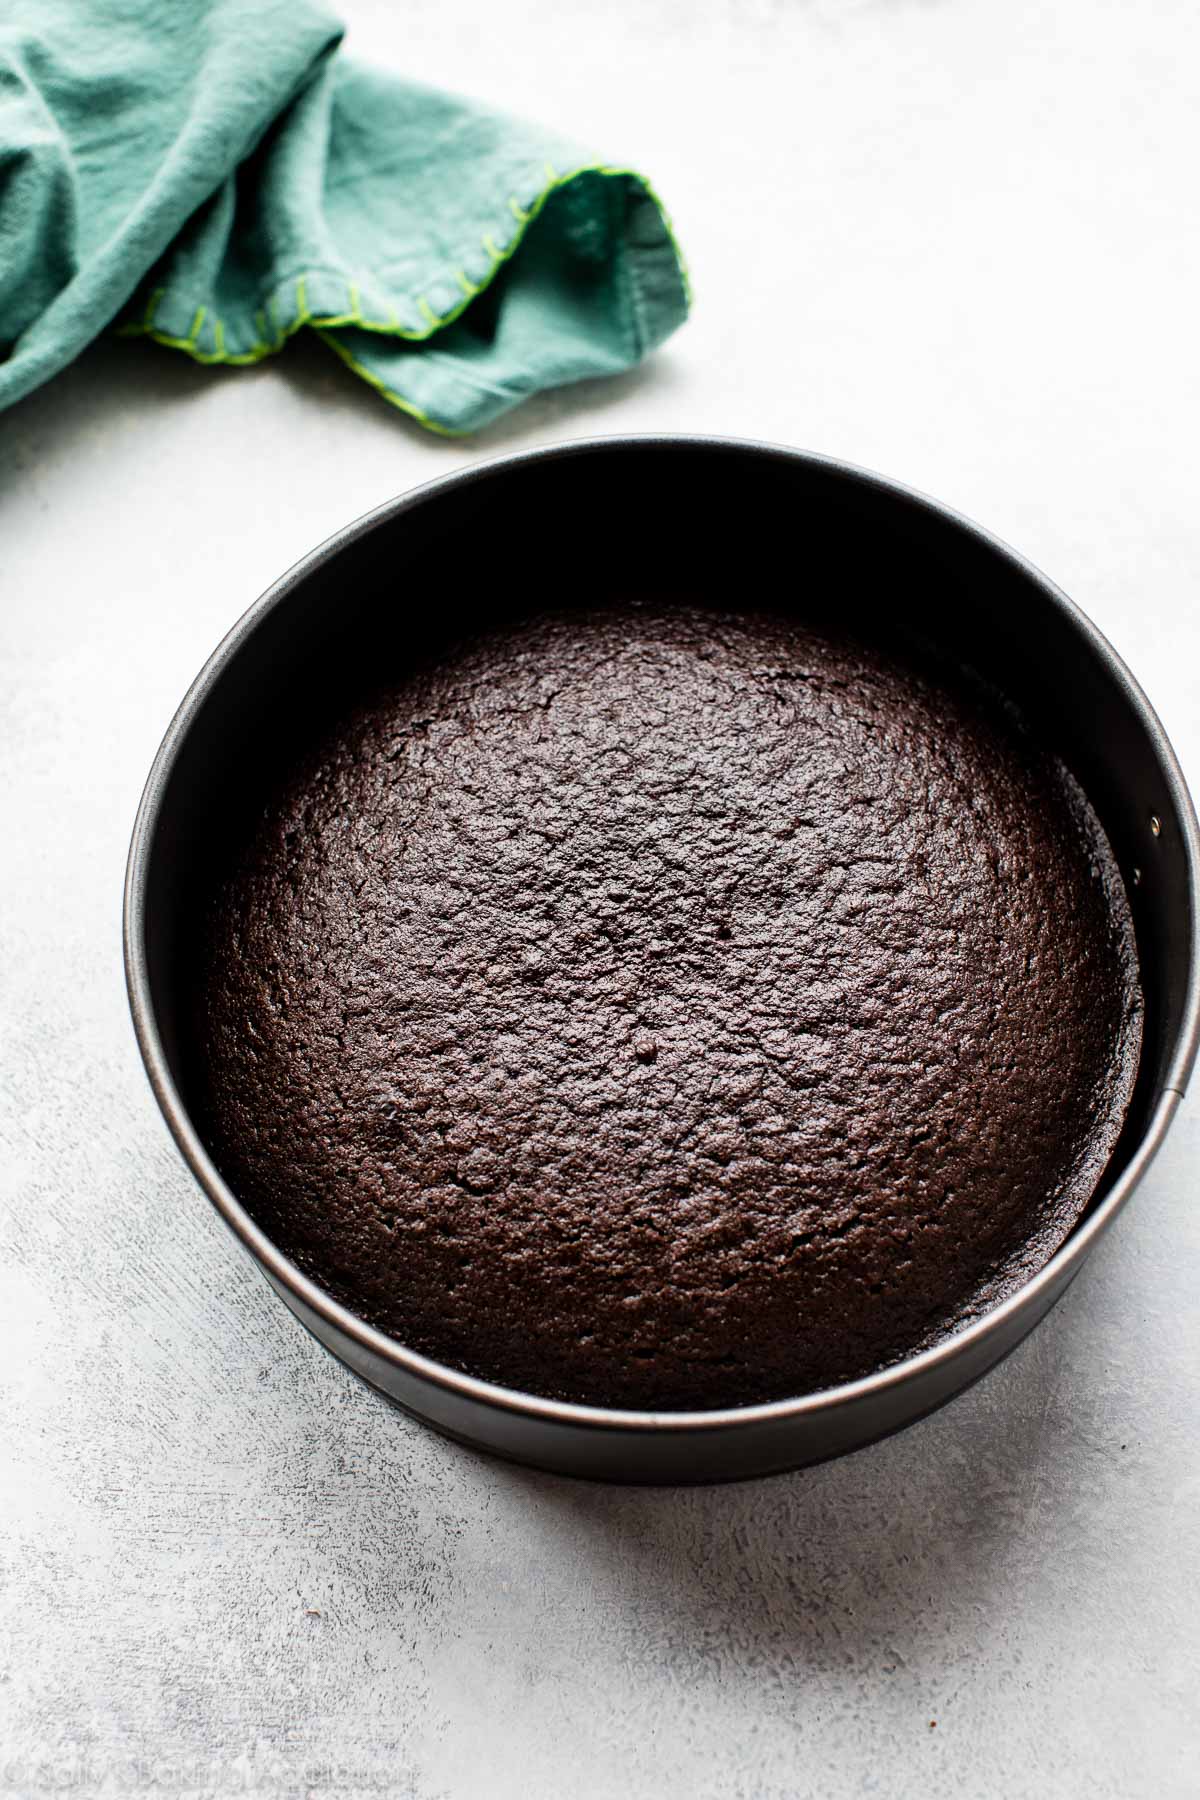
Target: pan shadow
x=872, y=1563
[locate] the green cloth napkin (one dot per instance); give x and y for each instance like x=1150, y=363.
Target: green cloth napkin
x=214, y=174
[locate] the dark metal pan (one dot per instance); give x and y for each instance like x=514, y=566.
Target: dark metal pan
x=655, y=513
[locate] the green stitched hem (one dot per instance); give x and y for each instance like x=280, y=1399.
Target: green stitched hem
x=387, y=393
x=270, y=343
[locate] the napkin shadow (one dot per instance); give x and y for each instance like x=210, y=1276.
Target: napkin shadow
x=311, y=368
x=110, y=387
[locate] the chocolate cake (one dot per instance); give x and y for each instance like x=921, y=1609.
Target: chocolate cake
x=660, y=1006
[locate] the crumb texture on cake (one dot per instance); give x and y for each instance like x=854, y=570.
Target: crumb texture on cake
x=666, y=1006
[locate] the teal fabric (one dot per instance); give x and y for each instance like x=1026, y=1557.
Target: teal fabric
x=215, y=175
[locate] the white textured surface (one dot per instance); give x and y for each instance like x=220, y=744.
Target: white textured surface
x=957, y=241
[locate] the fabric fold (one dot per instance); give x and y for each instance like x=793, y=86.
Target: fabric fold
x=220, y=177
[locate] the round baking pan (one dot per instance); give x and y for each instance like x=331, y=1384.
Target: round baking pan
x=659, y=514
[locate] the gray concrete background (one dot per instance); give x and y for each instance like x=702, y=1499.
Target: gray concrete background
x=954, y=240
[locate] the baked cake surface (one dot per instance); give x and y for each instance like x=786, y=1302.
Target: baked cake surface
x=661, y=1006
